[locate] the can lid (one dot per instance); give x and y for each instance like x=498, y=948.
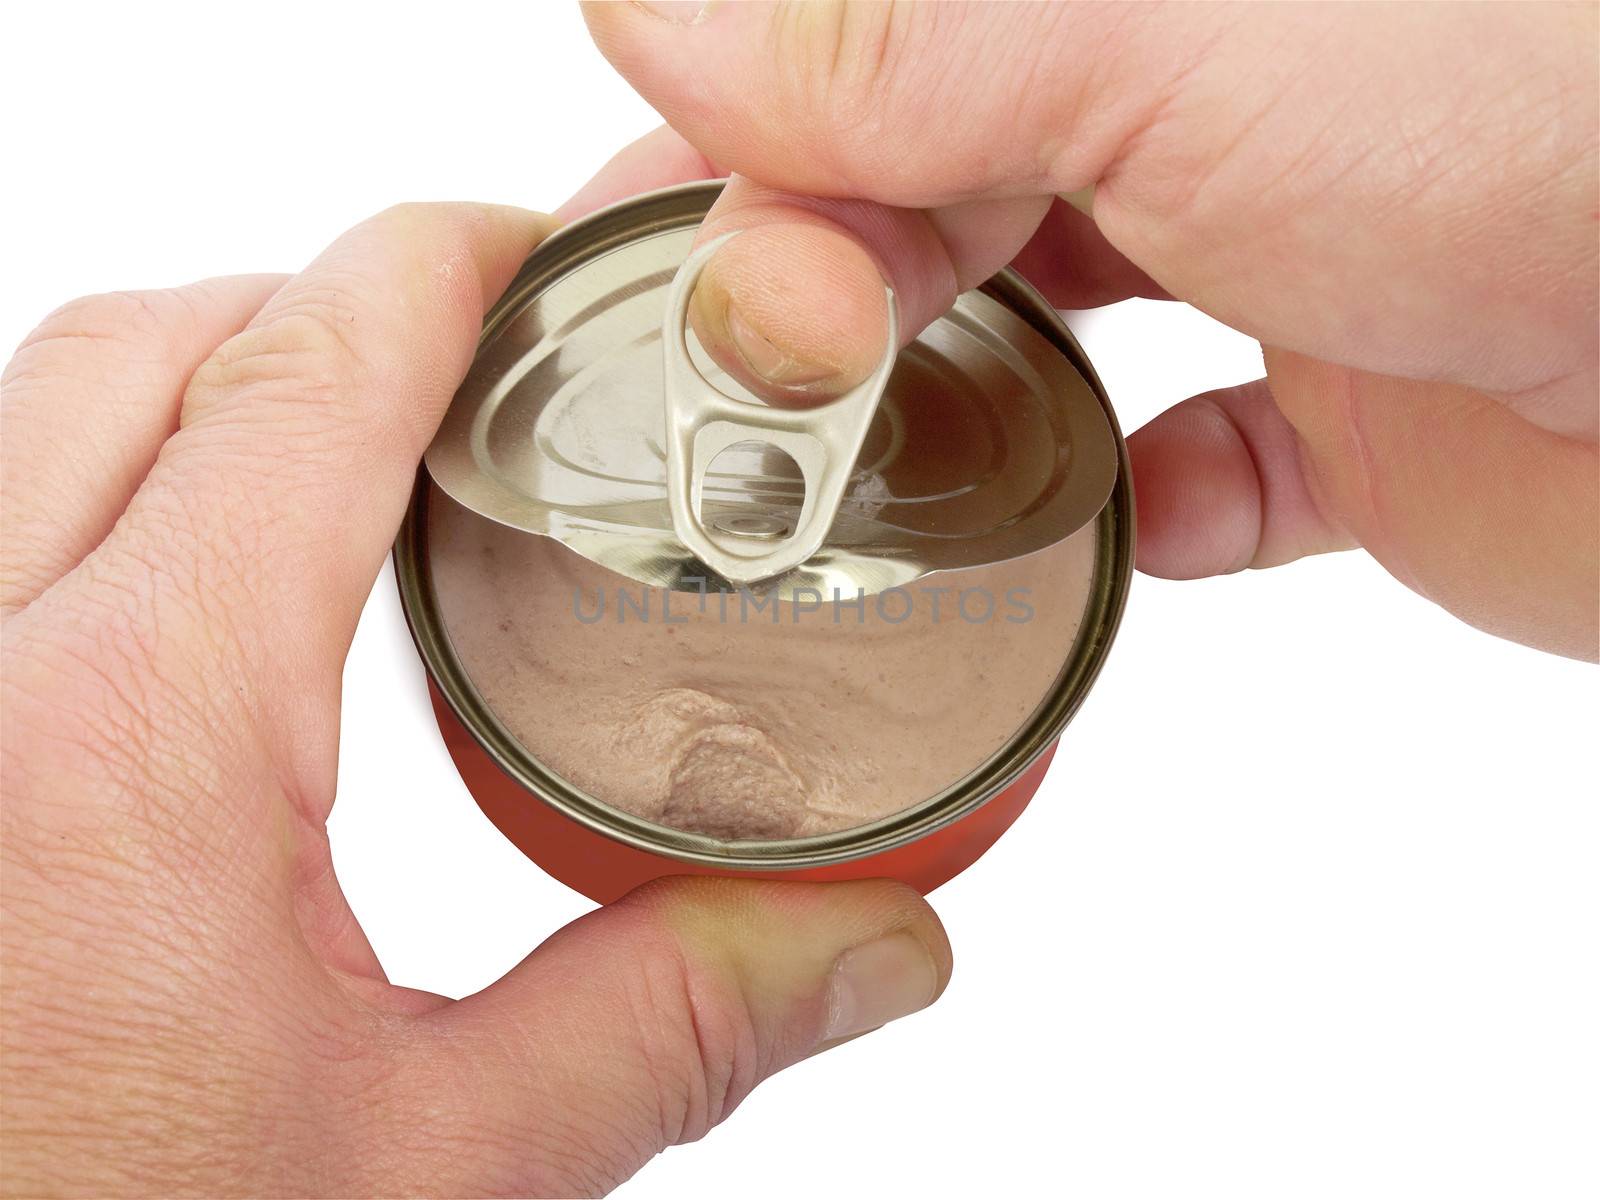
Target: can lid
x=988, y=442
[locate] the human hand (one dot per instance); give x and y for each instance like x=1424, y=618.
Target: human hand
x=1399, y=202
x=200, y=486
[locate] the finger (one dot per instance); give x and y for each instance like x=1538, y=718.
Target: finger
x=794, y=307
x=231, y=586
x=299, y=436
x=1486, y=514
x=1475, y=507
x=855, y=100
x=86, y=403
x=659, y=159
x=644, y=1024
x=1206, y=130
x=1221, y=486
x=812, y=271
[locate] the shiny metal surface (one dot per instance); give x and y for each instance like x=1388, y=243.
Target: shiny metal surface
x=989, y=442
x=678, y=211
x=702, y=421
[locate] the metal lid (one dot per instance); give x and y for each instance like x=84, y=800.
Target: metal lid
x=988, y=443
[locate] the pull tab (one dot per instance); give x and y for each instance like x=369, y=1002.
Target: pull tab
x=702, y=422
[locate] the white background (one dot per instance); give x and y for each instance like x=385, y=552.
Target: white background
x=1308, y=904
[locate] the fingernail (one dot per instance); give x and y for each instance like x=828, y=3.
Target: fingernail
x=878, y=983
x=676, y=12
x=767, y=360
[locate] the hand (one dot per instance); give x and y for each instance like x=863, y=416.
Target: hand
x=1399, y=202
x=200, y=487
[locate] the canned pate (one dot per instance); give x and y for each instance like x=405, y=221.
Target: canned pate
x=887, y=708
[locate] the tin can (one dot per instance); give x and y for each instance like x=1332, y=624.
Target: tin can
x=604, y=852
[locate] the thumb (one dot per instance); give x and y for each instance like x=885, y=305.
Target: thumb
x=644, y=1024
x=1236, y=161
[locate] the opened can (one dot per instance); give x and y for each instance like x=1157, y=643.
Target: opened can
x=886, y=709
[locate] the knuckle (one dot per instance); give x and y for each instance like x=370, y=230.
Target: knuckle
x=302, y=354
x=696, y=1038
x=126, y=328
x=409, y=215
x=420, y=242
x=107, y=314
x=836, y=61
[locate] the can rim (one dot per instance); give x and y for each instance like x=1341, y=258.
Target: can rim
x=1113, y=572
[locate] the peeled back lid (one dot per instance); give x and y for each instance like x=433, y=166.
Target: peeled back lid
x=988, y=444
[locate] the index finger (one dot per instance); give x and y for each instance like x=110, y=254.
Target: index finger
x=269, y=511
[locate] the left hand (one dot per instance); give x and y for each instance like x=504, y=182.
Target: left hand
x=200, y=486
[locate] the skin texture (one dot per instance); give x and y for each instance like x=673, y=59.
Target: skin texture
x=1399, y=201
x=189, y=1006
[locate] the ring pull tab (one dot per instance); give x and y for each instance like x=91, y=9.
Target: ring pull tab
x=702, y=422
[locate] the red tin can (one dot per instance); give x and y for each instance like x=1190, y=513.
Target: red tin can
x=603, y=851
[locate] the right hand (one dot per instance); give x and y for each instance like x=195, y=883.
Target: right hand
x=1398, y=202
